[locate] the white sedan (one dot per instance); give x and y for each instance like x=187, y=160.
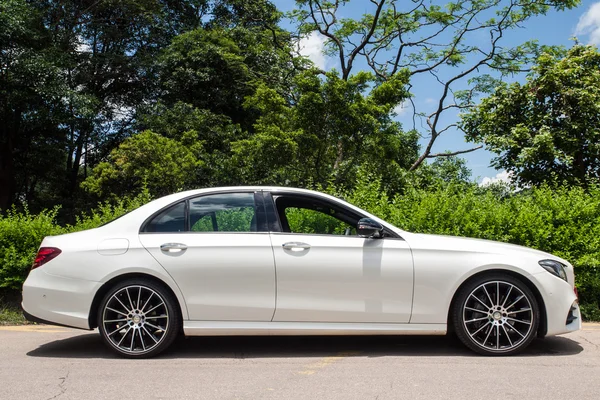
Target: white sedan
x=283, y=261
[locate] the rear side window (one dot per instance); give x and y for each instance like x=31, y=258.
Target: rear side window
x=170, y=220
x=223, y=212
x=230, y=212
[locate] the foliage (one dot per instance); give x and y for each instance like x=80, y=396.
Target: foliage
x=332, y=128
x=20, y=235
x=22, y=232
x=75, y=79
x=164, y=165
x=547, y=129
x=458, y=45
x=30, y=85
x=11, y=313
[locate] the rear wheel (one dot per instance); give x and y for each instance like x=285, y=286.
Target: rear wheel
x=496, y=314
x=138, y=318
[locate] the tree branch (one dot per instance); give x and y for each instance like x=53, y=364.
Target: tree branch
x=454, y=153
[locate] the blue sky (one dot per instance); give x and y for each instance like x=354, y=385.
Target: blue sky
x=555, y=28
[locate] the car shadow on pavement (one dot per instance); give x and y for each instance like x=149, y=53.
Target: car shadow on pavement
x=89, y=345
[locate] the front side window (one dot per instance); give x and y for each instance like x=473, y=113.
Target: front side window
x=316, y=222
x=313, y=217
x=228, y=212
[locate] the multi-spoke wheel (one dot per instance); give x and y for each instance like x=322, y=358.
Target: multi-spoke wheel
x=138, y=318
x=496, y=315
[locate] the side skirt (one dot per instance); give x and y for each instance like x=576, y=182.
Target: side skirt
x=235, y=328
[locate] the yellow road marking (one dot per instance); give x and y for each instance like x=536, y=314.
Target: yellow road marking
x=32, y=328
x=325, y=361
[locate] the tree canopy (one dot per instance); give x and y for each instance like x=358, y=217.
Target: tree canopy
x=98, y=99
x=546, y=130
x=459, y=47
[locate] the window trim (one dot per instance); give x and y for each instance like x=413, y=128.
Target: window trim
x=261, y=226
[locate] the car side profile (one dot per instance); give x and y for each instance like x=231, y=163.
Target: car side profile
x=285, y=261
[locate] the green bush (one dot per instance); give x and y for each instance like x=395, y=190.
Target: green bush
x=21, y=234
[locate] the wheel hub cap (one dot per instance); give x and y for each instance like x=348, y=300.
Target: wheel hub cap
x=137, y=319
x=497, y=316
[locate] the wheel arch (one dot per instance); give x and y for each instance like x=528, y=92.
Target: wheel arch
x=543, y=326
x=101, y=292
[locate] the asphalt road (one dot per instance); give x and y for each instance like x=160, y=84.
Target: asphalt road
x=42, y=362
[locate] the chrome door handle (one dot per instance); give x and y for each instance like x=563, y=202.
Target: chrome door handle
x=173, y=247
x=296, y=246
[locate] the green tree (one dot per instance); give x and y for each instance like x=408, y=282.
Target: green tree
x=159, y=164
x=330, y=129
x=71, y=75
x=212, y=132
x=548, y=128
x=30, y=87
x=206, y=74
x=441, y=46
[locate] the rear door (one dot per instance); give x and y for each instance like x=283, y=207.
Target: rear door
x=217, y=248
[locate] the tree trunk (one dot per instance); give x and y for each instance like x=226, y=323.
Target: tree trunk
x=8, y=127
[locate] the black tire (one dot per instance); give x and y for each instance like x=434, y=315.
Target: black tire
x=495, y=314
x=138, y=318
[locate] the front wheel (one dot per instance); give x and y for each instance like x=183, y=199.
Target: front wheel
x=496, y=314
x=138, y=318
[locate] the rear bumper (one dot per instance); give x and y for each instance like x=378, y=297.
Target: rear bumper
x=33, y=318
x=57, y=300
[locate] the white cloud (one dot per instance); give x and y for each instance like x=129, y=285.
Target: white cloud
x=311, y=46
x=402, y=108
x=501, y=177
x=589, y=24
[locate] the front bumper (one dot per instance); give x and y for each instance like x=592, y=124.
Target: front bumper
x=562, y=310
x=57, y=300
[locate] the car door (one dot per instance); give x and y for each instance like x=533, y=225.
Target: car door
x=327, y=273
x=217, y=248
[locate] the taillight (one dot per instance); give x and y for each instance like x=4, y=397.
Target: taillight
x=44, y=255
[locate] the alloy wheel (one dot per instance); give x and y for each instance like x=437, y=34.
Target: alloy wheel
x=135, y=319
x=498, y=316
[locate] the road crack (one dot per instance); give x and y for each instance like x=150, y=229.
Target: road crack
x=590, y=342
x=61, y=386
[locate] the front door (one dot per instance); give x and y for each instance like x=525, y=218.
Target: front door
x=327, y=273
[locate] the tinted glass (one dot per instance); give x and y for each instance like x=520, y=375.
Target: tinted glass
x=306, y=220
x=170, y=220
x=228, y=212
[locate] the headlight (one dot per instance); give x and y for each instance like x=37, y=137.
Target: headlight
x=555, y=268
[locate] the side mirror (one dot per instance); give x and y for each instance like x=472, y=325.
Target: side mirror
x=369, y=228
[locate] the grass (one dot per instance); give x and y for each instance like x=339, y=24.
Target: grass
x=10, y=311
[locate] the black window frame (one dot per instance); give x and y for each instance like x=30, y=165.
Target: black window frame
x=261, y=214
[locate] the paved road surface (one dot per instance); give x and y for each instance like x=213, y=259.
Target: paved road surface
x=42, y=362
